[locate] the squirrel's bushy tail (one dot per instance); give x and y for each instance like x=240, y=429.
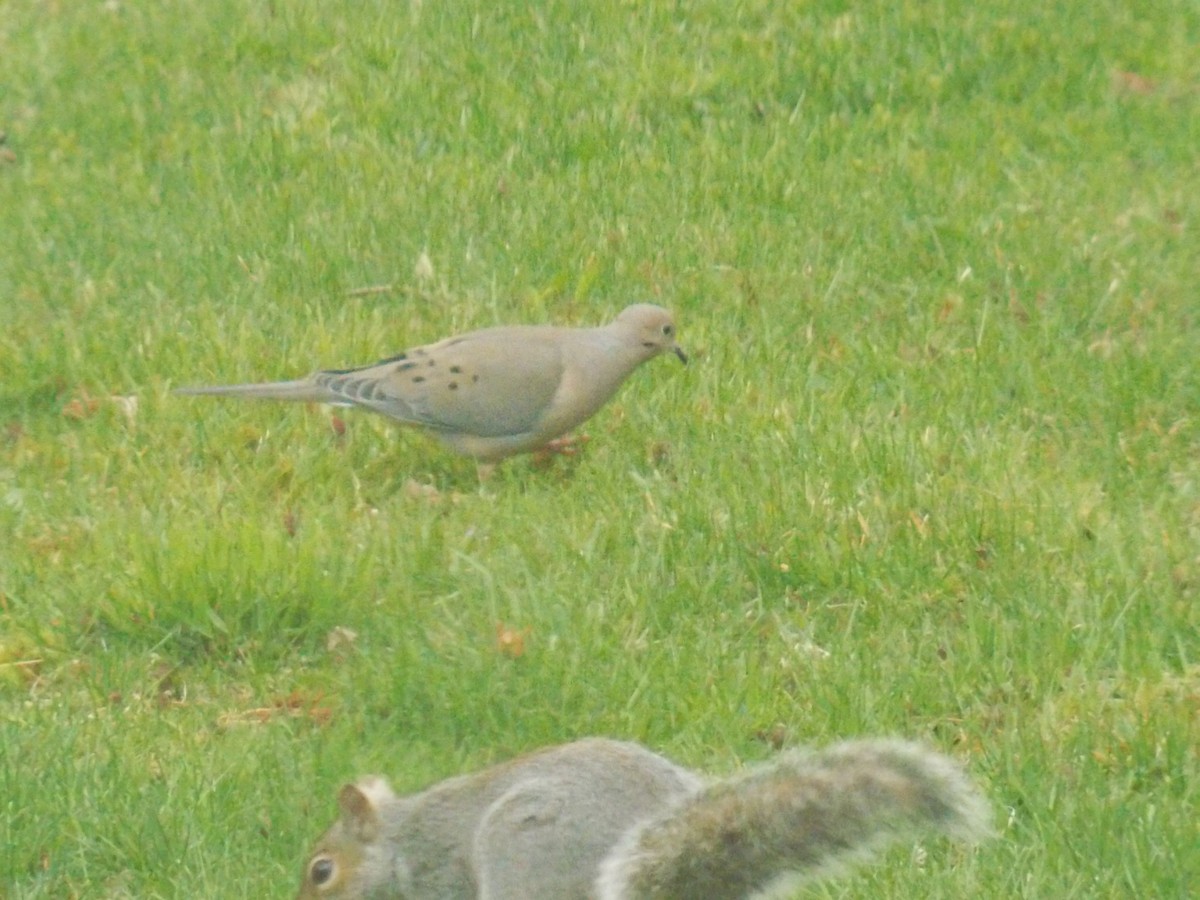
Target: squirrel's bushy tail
x=802, y=816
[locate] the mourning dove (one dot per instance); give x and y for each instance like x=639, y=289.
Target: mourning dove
x=496, y=392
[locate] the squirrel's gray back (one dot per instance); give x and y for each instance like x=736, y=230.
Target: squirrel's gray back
x=533, y=828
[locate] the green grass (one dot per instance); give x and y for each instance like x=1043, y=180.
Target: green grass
x=934, y=470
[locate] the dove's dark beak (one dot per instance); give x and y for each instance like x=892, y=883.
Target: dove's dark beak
x=678, y=351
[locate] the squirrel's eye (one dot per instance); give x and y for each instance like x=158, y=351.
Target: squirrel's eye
x=321, y=870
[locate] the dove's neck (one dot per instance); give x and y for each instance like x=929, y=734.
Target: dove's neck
x=594, y=366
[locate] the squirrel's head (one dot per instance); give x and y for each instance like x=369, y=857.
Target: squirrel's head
x=351, y=861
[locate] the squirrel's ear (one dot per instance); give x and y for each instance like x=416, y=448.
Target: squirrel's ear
x=360, y=804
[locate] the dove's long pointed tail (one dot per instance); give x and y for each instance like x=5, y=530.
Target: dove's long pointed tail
x=302, y=389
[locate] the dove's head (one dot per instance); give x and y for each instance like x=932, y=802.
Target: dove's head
x=652, y=328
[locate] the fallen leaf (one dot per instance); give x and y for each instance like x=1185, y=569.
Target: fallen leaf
x=1133, y=83
x=510, y=641
x=128, y=405
x=369, y=289
x=81, y=407
x=423, y=270
x=660, y=452
x=774, y=737
x=415, y=490
x=340, y=639
x=920, y=521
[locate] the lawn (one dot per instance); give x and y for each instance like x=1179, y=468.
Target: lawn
x=933, y=470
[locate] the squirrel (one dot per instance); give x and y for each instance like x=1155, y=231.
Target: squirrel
x=600, y=819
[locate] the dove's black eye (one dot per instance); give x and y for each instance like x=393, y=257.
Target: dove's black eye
x=321, y=870
x=668, y=330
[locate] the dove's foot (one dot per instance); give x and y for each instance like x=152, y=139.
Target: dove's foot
x=564, y=446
